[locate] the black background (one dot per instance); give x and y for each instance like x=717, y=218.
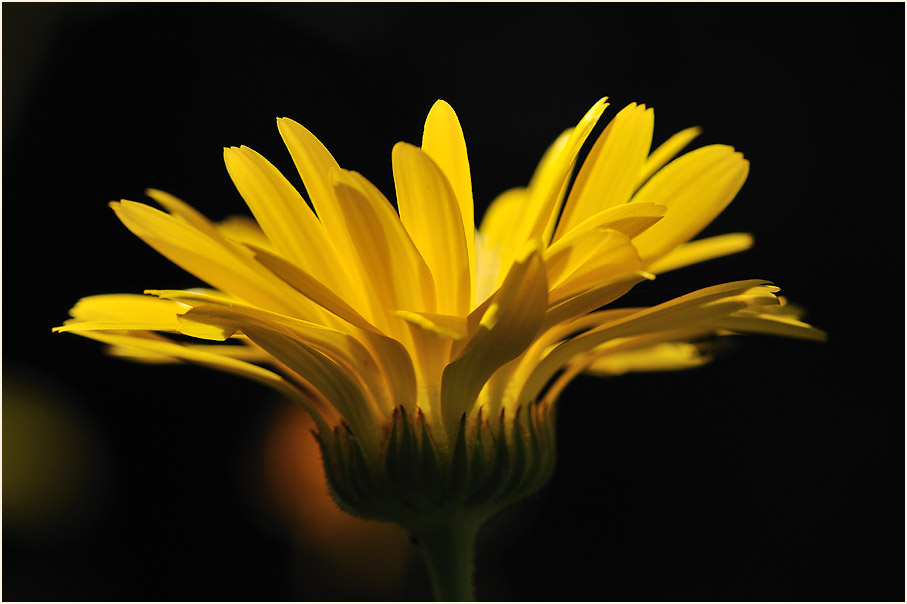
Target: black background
x=773, y=474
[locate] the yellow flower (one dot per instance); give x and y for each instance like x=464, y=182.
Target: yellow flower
x=430, y=353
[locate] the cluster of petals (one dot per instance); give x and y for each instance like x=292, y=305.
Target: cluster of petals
x=356, y=308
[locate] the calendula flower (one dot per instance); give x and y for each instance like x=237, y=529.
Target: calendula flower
x=430, y=353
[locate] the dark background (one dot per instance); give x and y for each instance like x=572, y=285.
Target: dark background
x=773, y=474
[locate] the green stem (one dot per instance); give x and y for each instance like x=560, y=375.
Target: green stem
x=449, y=545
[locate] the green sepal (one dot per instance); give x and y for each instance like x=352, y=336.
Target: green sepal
x=407, y=462
x=479, y=458
x=429, y=469
x=459, y=465
x=519, y=461
x=487, y=490
x=391, y=453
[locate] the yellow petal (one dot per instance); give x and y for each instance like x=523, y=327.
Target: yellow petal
x=316, y=165
x=391, y=355
x=207, y=258
x=366, y=354
x=553, y=173
x=604, y=293
x=443, y=326
x=500, y=331
x=697, y=310
x=431, y=215
x=696, y=187
x=126, y=308
x=627, y=219
x=243, y=229
x=186, y=213
x=701, y=250
x=250, y=354
x=610, y=174
x=328, y=378
x=342, y=348
x=666, y=152
x=496, y=240
x=442, y=139
x=312, y=288
x=540, y=184
x=665, y=356
x=596, y=257
x=285, y=218
x=630, y=219
x=373, y=357
x=519, y=217
x=137, y=355
x=114, y=326
x=771, y=324
x=398, y=274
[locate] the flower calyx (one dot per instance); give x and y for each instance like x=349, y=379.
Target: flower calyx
x=494, y=462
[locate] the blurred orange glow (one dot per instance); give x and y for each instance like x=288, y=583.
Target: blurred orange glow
x=375, y=553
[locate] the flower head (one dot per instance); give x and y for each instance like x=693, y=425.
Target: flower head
x=430, y=353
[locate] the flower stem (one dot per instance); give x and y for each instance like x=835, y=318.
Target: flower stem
x=449, y=544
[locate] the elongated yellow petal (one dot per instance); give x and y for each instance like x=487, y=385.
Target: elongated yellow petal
x=518, y=217
x=666, y=152
x=554, y=172
x=137, y=355
x=243, y=229
x=342, y=348
x=249, y=354
x=285, y=218
x=700, y=310
x=229, y=236
x=665, y=356
x=562, y=260
x=373, y=355
x=335, y=384
x=393, y=266
x=443, y=140
x=503, y=329
x=598, y=257
x=701, y=250
x=206, y=258
x=396, y=365
x=496, y=240
x=366, y=353
x=431, y=215
x=181, y=210
x=589, y=300
x=540, y=185
x=316, y=165
x=696, y=187
x=117, y=326
x=126, y=308
x=313, y=289
x=630, y=219
x=443, y=326
x=771, y=324
x=610, y=174
x=504, y=210
x=194, y=299
x=564, y=256
x=390, y=354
